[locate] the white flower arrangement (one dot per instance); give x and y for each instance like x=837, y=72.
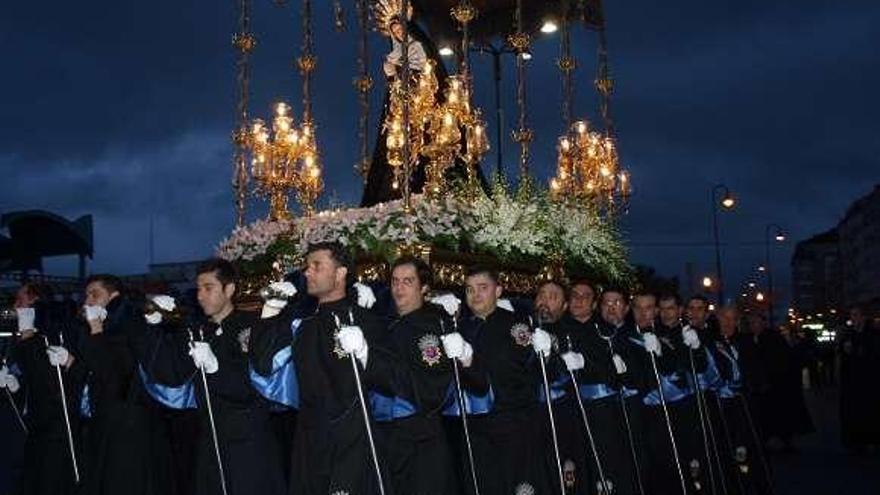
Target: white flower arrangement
x=503, y=225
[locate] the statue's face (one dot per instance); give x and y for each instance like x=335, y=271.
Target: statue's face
x=397, y=31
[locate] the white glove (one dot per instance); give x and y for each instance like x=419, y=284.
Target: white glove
x=165, y=302
x=153, y=318
x=542, y=342
x=505, y=304
x=272, y=307
x=691, y=339
x=204, y=357
x=366, y=298
x=58, y=356
x=95, y=313
x=449, y=302
x=574, y=360
x=351, y=339
x=286, y=289
x=8, y=380
x=26, y=317
x=456, y=347
x=652, y=344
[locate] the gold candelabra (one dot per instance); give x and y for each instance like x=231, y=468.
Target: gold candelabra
x=436, y=130
x=588, y=168
x=284, y=159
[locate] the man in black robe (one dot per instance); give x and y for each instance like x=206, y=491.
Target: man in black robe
x=220, y=349
x=551, y=304
x=417, y=455
x=677, y=363
x=746, y=468
x=859, y=351
x=331, y=452
x=508, y=445
x=48, y=467
x=127, y=447
x=614, y=344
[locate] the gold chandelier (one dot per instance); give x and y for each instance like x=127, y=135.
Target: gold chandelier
x=588, y=168
x=284, y=159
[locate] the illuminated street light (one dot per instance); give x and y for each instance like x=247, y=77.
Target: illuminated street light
x=549, y=27
x=728, y=201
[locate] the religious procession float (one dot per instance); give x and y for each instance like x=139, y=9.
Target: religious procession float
x=425, y=192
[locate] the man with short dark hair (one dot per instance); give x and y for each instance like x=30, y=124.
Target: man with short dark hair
x=331, y=452
x=673, y=353
x=508, y=446
x=127, y=438
x=30, y=376
x=582, y=300
x=737, y=439
x=422, y=337
x=622, y=444
x=551, y=303
x=220, y=347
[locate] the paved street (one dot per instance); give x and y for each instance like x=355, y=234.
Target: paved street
x=821, y=466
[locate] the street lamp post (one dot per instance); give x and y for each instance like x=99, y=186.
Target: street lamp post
x=496, y=51
x=778, y=236
x=727, y=202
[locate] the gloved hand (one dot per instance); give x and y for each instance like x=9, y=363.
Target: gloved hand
x=449, y=302
x=574, y=361
x=58, y=356
x=204, y=357
x=366, y=298
x=691, y=338
x=165, y=302
x=272, y=307
x=505, y=304
x=652, y=344
x=351, y=339
x=26, y=317
x=153, y=318
x=456, y=347
x=542, y=342
x=8, y=380
x=287, y=289
x=95, y=313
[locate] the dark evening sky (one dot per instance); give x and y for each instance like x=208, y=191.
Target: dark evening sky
x=123, y=110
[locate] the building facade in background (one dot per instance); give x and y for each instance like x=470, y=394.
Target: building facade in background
x=841, y=268
x=815, y=273
x=859, y=233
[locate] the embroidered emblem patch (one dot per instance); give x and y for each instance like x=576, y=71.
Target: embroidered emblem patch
x=521, y=334
x=337, y=349
x=429, y=345
x=244, y=339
